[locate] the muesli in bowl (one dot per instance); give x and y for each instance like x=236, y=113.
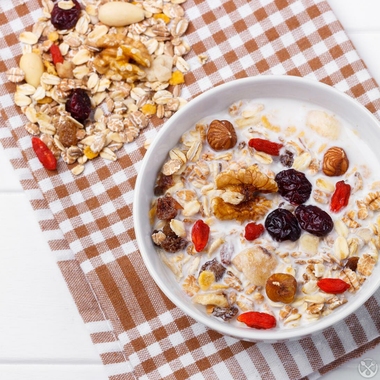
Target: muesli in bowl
x=266, y=213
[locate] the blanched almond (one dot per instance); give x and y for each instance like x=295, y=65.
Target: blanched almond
x=31, y=64
x=118, y=13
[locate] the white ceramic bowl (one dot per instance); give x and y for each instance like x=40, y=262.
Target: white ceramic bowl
x=212, y=102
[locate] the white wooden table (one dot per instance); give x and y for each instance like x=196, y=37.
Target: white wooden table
x=42, y=336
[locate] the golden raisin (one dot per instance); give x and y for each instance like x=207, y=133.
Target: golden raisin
x=281, y=287
x=177, y=78
x=67, y=132
x=89, y=153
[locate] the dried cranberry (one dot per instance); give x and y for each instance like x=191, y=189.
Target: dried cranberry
x=65, y=18
x=282, y=225
x=314, y=220
x=79, y=105
x=293, y=186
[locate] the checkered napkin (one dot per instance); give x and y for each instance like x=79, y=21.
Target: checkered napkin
x=87, y=220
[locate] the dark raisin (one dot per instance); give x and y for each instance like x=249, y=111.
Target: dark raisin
x=225, y=313
x=173, y=243
x=293, y=186
x=282, y=225
x=352, y=263
x=163, y=183
x=78, y=105
x=65, y=18
x=214, y=266
x=226, y=253
x=314, y=220
x=287, y=158
x=167, y=208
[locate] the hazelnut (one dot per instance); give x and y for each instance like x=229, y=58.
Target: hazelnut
x=221, y=135
x=335, y=162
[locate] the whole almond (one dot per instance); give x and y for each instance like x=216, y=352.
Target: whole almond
x=221, y=135
x=31, y=64
x=335, y=162
x=118, y=13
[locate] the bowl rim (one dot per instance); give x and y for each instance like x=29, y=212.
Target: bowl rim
x=223, y=327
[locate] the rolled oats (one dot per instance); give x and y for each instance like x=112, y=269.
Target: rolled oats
x=108, y=62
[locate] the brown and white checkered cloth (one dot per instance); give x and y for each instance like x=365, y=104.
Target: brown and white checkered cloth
x=88, y=223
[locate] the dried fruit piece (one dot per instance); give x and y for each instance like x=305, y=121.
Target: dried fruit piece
x=281, y=287
x=257, y=320
x=89, y=153
x=214, y=266
x=167, y=208
x=352, y=263
x=44, y=154
x=226, y=313
x=56, y=54
x=287, y=158
x=293, y=186
x=200, y=234
x=65, y=18
x=216, y=299
x=340, y=197
x=265, y=146
x=205, y=279
x=172, y=242
x=282, y=225
x=253, y=231
x=314, y=220
x=226, y=253
x=335, y=162
x=333, y=285
x=78, y=105
x=256, y=263
x=67, y=132
x=221, y=135
x=163, y=183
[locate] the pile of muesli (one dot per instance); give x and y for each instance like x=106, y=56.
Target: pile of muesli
x=93, y=72
x=266, y=213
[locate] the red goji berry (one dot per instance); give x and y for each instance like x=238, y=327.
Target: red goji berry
x=265, y=146
x=257, y=320
x=199, y=235
x=44, y=154
x=253, y=231
x=340, y=197
x=56, y=54
x=333, y=285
